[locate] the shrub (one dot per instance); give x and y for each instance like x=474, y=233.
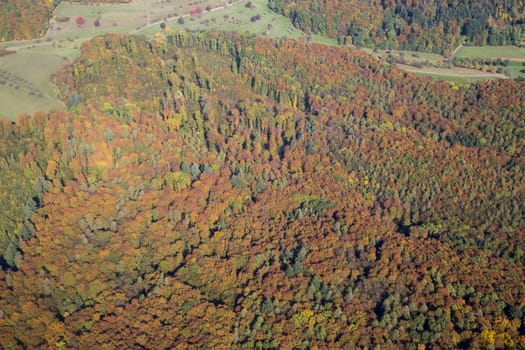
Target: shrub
x=80, y=21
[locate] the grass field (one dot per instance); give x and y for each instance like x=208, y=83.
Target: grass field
x=411, y=57
x=515, y=69
x=453, y=78
x=239, y=18
x=26, y=86
x=515, y=55
x=510, y=52
x=458, y=75
x=29, y=87
x=116, y=18
x=120, y=18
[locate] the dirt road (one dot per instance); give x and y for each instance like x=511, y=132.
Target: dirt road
x=453, y=72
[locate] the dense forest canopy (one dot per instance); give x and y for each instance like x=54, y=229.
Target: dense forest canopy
x=298, y=197
x=22, y=19
x=433, y=25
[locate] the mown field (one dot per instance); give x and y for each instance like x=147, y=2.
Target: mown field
x=257, y=19
x=503, y=52
x=121, y=18
x=26, y=86
x=513, y=56
x=411, y=57
x=456, y=74
x=515, y=69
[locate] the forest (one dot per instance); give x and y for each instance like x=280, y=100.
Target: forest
x=300, y=196
x=21, y=19
x=434, y=25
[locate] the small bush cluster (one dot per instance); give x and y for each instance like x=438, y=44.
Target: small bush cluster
x=16, y=82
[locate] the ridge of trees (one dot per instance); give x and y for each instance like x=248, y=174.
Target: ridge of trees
x=436, y=26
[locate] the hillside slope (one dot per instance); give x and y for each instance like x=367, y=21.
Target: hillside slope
x=437, y=26
x=225, y=192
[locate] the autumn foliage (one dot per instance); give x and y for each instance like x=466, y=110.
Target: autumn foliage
x=22, y=19
x=224, y=192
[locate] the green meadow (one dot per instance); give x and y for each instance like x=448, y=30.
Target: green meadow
x=410, y=57
x=257, y=19
x=487, y=52
x=26, y=80
x=454, y=78
x=515, y=57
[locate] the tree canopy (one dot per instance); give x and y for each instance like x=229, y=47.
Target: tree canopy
x=221, y=191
